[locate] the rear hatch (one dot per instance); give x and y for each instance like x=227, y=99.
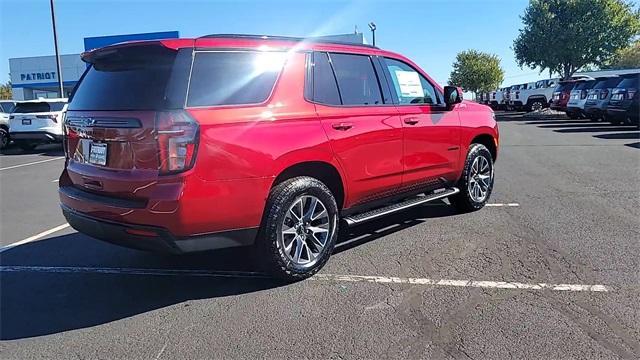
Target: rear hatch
x=129, y=98
x=37, y=116
x=624, y=92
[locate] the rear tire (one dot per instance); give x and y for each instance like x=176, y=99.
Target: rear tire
x=536, y=105
x=300, y=228
x=476, y=183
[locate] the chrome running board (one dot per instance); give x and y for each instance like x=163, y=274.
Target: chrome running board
x=390, y=209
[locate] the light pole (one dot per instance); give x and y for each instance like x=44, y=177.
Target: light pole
x=372, y=26
x=55, y=43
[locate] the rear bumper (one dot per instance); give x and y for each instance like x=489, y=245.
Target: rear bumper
x=39, y=136
x=558, y=107
x=155, y=239
x=515, y=103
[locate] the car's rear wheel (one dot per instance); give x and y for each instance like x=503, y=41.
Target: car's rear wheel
x=300, y=228
x=476, y=183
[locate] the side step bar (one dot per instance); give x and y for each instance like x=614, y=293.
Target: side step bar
x=390, y=209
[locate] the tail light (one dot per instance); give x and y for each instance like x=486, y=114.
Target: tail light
x=52, y=117
x=631, y=93
x=177, y=141
x=603, y=94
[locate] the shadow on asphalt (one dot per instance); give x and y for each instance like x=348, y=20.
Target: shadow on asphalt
x=626, y=135
x=36, y=303
x=633, y=145
x=42, y=150
x=595, y=129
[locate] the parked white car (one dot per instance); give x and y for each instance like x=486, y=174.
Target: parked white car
x=36, y=122
x=6, y=108
x=496, y=99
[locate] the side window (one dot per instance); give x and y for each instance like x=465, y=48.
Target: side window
x=232, y=78
x=325, y=89
x=356, y=79
x=410, y=86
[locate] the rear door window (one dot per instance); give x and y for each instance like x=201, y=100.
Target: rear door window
x=410, y=86
x=129, y=78
x=7, y=107
x=234, y=77
x=325, y=88
x=357, y=80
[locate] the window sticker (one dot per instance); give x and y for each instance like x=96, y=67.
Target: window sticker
x=409, y=82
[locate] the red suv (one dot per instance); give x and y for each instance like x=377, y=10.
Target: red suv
x=226, y=140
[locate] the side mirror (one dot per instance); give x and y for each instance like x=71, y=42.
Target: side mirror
x=452, y=95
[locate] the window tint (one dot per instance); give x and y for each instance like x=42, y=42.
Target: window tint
x=7, y=107
x=325, y=89
x=629, y=82
x=584, y=85
x=565, y=86
x=410, y=86
x=357, y=79
x=233, y=78
x=129, y=78
x=32, y=107
x=607, y=83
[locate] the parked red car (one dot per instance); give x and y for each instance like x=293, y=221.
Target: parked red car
x=226, y=140
x=561, y=95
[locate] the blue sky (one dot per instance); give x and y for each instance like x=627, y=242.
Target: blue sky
x=430, y=32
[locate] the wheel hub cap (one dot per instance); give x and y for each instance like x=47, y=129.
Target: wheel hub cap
x=481, y=179
x=305, y=230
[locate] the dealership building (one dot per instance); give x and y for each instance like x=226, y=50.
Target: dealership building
x=37, y=77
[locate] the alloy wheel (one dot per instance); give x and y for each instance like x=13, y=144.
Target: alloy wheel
x=305, y=230
x=536, y=106
x=480, y=179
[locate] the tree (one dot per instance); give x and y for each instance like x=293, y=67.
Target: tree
x=476, y=71
x=5, y=91
x=565, y=35
x=627, y=58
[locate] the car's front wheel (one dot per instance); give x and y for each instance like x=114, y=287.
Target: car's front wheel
x=476, y=183
x=300, y=228
x=4, y=138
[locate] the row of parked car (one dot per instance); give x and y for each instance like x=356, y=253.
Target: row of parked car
x=612, y=98
x=30, y=123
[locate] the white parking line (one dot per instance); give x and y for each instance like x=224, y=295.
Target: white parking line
x=510, y=285
x=503, y=205
x=31, y=163
x=34, y=237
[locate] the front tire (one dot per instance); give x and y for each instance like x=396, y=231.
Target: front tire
x=299, y=229
x=4, y=138
x=476, y=183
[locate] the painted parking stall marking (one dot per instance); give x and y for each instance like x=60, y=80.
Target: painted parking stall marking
x=503, y=205
x=508, y=285
x=31, y=163
x=34, y=237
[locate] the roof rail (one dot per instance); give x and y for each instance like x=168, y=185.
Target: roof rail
x=316, y=40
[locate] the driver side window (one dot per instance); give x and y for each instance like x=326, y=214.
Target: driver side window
x=410, y=86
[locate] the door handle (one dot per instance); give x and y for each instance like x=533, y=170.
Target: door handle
x=411, y=120
x=342, y=126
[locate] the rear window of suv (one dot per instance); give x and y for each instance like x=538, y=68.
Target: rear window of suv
x=38, y=107
x=584, y=85
x=128, y=78
x=565, y=86
x=607, y=83
x=233, y=77
x=629, y=82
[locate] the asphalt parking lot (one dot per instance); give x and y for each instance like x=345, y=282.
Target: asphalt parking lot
x=550, y=270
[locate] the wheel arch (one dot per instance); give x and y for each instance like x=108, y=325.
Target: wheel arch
x=489, y=142
x=323, y=171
